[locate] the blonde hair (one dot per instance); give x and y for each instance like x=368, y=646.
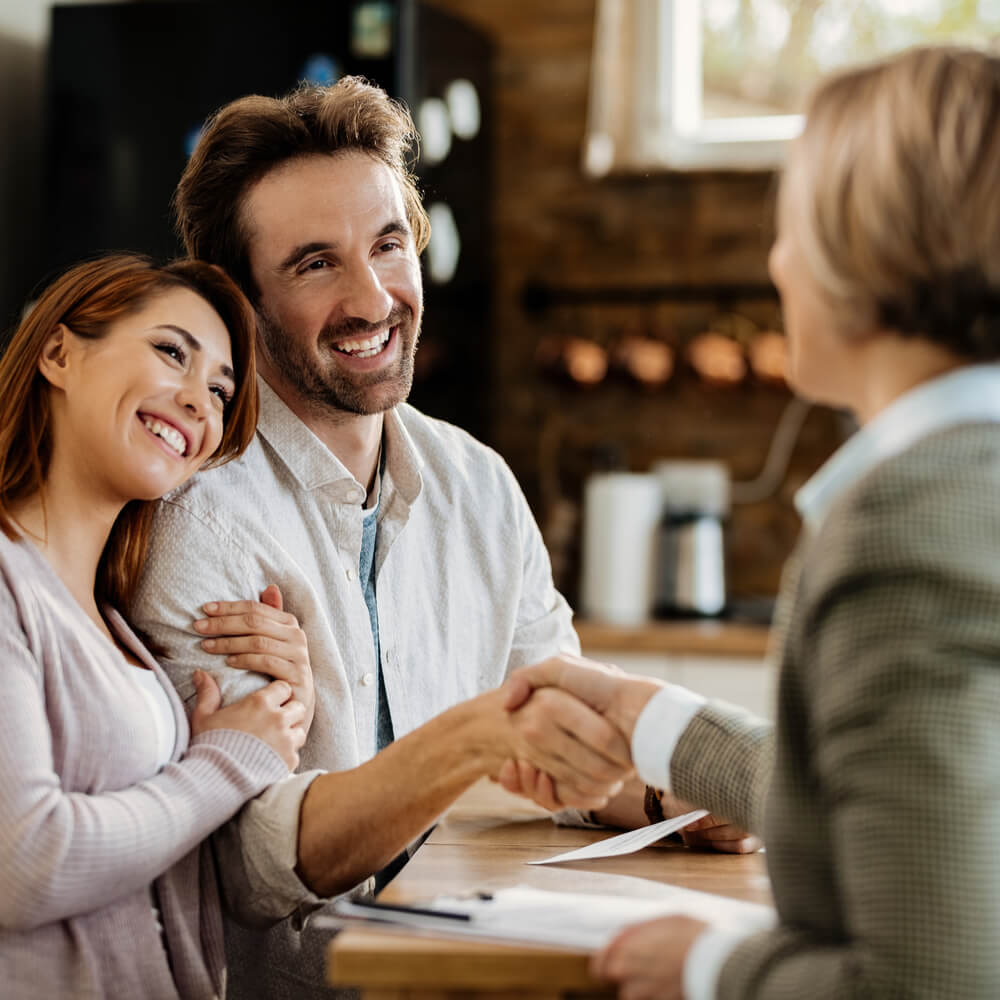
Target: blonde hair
x=892, y=190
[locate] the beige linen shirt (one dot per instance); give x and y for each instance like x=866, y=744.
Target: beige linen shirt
x=464, y=592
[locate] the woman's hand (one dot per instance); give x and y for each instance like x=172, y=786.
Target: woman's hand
x=647, y=960
x=271, y=714
x=714, y=834
x=708, y=833
x=261, y=636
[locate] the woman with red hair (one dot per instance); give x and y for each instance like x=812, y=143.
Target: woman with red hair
x=123, y=380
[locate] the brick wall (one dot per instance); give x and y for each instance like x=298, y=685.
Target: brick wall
x=556, y=226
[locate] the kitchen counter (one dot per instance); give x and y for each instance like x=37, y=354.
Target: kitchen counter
x=700, y=638
x=718, y=659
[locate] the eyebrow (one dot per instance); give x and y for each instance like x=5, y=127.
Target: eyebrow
x=396, y=226
x=304, y=249
x=194, y=344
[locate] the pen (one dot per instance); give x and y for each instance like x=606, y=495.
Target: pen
x=421, y=911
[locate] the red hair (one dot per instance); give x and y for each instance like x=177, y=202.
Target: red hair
x=89, y=298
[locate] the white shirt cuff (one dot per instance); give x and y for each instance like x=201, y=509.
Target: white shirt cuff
x=705, y=959
x=658, y=730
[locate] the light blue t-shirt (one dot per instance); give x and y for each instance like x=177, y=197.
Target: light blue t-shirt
x=366, y=573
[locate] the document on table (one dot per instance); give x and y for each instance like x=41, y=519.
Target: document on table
x=583, y=921
x=626, y=843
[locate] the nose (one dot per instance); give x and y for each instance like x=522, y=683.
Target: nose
x=195, y=398
x=777, y=258
x=365, y=296
x=771, y=260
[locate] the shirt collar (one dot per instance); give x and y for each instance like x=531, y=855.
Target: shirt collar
x=315, y=466
x=969, y=395
x=371, y=501
x=401, y=468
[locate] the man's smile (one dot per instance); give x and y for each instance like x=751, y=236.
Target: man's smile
x=368, y=347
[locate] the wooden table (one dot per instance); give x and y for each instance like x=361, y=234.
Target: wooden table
x=482, y=843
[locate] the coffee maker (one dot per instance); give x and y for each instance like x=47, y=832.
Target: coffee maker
x=690, y=579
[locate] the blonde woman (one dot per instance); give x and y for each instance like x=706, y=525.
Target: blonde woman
x=123, y=381
x=878, y=790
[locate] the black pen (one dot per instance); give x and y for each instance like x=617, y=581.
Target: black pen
x=420, y=911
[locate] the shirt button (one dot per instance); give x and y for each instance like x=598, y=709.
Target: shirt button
x=368, y=680
x=349, y=573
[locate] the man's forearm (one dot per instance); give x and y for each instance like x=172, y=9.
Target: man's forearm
x=352, y=823
x=355, y=822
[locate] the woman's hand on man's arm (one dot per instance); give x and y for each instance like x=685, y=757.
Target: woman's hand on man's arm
x=262, y=637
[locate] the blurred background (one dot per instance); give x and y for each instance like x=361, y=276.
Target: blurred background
x=597, y=290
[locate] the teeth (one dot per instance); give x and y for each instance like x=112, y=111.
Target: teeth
x=365, y=348
x=170, y=435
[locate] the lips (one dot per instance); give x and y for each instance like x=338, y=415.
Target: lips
x=367, y=347
x=176, y=439
x=346, y=336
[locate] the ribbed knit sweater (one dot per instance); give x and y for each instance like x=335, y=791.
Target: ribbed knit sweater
x=92, y=836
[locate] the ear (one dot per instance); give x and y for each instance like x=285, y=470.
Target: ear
x=53, y=362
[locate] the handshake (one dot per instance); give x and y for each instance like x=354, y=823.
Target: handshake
x=572, y=721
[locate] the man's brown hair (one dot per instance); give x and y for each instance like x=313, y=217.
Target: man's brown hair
x=251, y=136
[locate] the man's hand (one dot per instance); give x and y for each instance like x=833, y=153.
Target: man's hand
x=354, y=822
x=593, y=697
x=581, y=757
x=619, y=697
x=647, y=960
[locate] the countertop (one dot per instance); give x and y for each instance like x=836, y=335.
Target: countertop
x=700, y=637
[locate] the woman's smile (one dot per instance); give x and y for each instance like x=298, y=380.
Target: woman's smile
x=166, y=433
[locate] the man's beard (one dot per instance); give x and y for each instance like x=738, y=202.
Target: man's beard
x=323, y=385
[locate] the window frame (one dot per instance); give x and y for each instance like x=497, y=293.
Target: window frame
x=667, y=130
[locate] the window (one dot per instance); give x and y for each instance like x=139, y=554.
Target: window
x=710, y=84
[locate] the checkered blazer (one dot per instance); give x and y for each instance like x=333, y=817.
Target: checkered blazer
x=878, y=791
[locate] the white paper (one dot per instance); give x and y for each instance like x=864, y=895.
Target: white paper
x=584, y=921
x=626, y=843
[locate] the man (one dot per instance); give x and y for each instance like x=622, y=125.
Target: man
x=404, y=547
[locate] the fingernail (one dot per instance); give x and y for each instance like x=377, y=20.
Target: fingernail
x=197, y=677
x=201, y=625
x=230, y=659
x=208, y=643
x=210, y=608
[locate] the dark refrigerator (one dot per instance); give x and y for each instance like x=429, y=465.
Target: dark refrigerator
x=129, y=85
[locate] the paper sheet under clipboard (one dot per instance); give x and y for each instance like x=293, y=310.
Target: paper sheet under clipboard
x=579, y=921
